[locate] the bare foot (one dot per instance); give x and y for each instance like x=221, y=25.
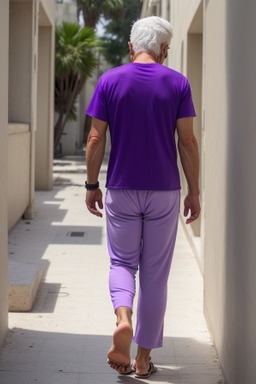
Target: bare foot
x=141, y=361
x=141, y=366
x=119, y=353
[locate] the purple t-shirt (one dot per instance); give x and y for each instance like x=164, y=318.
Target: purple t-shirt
x=141, y=102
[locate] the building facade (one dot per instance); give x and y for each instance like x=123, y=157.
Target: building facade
x=214, y=46
x=26, y=116
x=4, y=26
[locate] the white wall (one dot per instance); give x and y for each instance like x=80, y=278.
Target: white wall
x=49, y=9
x=45, y=107
x=68, y=139
x=21, y=103
x=4, y=37
x=230, y=243
x=216, y=146
x=18, y=171
x=20, y=55
x=31, y=82
x=66, y=11
x=18, y=70
x=186, y=56
x=194, y=74
x=228, y=181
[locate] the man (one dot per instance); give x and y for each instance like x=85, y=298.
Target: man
x=143, y=103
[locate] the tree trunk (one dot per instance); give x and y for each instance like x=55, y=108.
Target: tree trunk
x=91, y=17
x=73, y=86
x=58, y=130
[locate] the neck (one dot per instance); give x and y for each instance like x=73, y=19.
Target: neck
x=144, y=57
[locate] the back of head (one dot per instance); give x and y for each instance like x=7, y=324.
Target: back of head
x=149, y=33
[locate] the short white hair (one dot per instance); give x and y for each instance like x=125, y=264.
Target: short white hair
x=149, y=33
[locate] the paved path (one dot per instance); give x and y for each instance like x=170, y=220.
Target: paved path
x=65, y=338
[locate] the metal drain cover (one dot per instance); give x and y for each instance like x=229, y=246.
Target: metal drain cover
x=76, y=234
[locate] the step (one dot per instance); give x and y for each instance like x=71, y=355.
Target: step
x=24, y=281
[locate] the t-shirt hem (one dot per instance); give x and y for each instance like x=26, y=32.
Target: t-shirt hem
x=96, y=115
x=182, y=115
x=150, y=188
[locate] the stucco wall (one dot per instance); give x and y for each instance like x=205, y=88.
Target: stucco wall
x=186, y=56
x=228, y=182
x=21, y=106
x=181, y=14
x=20, y=56
x=4, y=33
x=18, y=171
x=216, y=115
x=199, y=52
x=66, y=11
x=230, y=242
x=45, y=104
x=228, y=177
x=49, y=8
x=31, y=71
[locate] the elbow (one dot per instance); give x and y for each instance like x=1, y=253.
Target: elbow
x=95, y=140
x=189, y=143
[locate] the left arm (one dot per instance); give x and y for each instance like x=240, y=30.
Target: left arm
x=189, y=156
x=95, y=150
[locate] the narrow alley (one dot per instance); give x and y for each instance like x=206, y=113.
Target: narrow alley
x=66, y=336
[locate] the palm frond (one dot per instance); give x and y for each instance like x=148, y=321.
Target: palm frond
x=75, y=49
x=92, y=10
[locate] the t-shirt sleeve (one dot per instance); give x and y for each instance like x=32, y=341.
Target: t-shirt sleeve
x=186, y=106
x=98, y=106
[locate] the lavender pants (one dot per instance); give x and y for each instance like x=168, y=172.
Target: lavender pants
x=141, y=232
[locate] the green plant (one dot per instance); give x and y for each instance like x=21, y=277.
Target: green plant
x=92, y=10
x=75, y=59
x=117, y=34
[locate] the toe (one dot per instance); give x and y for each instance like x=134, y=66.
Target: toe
x=122, y=369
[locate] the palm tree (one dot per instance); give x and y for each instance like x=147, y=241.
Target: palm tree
x=93, y=9
x=74, y=63
x=117, y=35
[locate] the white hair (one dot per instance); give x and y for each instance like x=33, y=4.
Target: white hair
x=149, y=33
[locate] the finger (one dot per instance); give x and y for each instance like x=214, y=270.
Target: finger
x=100, y=204
x=92, y=209
x=192, y=218
x=186, y=211
x=95, y=212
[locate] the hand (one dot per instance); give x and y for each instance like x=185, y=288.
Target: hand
x=93, y=197
x=191, y=204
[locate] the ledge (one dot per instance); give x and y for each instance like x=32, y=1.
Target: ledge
x=24, y=282
x=16, y=128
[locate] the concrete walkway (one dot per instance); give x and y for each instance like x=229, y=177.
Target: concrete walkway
x=65, y=338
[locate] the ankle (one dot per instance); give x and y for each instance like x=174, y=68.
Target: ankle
x=122, y=321
x=143, y=355
x=124, y=315
x=142, y=359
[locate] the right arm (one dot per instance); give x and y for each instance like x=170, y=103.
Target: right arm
x=188, y=150
x=95, y=149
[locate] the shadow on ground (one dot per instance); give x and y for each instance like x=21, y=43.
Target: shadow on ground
x=53, y=358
